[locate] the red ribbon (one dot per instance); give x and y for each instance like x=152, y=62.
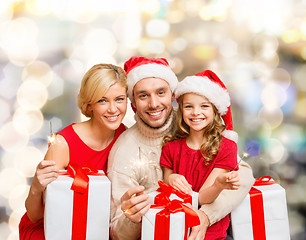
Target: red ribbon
x=162, y=219
x=257, y=208
x=80, y=198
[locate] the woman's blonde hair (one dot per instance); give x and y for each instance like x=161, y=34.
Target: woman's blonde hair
x=96, y=82
x=213, y=132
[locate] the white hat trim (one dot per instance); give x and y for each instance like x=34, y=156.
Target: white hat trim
x=231, y=135
x=150, y=70
x=215, y=93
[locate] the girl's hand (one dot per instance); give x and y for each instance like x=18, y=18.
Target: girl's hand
x=179, y=182
x=229, y=180
x=46, y=172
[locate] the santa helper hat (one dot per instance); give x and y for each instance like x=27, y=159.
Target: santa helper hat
x=138, y=68
x=208, y=84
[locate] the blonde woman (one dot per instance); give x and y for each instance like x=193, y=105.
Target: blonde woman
x=103, y=99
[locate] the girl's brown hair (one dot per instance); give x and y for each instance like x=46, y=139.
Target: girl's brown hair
x=213, y=132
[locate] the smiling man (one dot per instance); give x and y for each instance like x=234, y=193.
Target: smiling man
x=134, y=161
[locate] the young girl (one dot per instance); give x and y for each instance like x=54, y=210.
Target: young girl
x=103, y=99
x=202, y=154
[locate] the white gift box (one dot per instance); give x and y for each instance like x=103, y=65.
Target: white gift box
x=177, y=220
x=269, y=216
x=177, y=225
x=59, y=208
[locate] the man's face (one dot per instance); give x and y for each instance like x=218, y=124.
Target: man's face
x=153, y=101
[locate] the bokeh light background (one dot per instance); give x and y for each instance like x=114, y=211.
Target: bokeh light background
x=256, y=47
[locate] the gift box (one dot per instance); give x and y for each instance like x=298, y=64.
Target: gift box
x=263, y=213
x=169, y=218
x=77, y=205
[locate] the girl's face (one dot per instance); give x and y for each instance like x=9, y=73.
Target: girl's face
x=110, y=110
x=197, y=111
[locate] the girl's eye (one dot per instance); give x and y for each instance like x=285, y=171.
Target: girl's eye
x=188, y=106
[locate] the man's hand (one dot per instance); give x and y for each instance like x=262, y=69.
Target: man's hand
x=198, y=232
x=135, y=203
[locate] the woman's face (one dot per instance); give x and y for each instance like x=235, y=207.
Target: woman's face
x=110, y=110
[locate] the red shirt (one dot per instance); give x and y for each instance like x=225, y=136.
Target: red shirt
x=80, y=155
x=176, y=155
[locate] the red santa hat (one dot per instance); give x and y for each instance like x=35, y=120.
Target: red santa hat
x=138, y=68
x=208, y=84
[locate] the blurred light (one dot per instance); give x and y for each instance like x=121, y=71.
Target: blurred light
x=4, y=230
x=39, y=71
x=175, y=16
x=281, y=76
x=9, y=179
x=38, y=7
x=177, y=45
x=290, y=103
x=291, y=36
x=228, y=48
x=273, y=96
x=157, y=28
x=266, y=46
x=32, y=95
x=128, y=30
x=20, y=52
x=6, y=11
x=56, y=88
x=275, y=150
x=14, y=220
x=99, y=42
x=300, y=108
x=5, y=111
x=10, y=139
x=176, y=65
x=303, y=53
x=155, y=46
x=26, y=160
x=273, y=117
x=149, y=6
x=292, y=136
x=216, y=10
x=18, y=196
x=27, y=122
x=204, y=52
x=299, y=77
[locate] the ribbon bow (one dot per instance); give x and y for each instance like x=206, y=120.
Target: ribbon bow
x=162, y=221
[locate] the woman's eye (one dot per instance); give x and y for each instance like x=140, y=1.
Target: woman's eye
x=120, y=99
x=101, y=101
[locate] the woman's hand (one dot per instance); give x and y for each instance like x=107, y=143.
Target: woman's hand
x=179, y=182
x=46, y=172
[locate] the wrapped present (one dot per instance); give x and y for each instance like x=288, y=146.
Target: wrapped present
x=169, y=219
x=263, y=213
x=77, y=205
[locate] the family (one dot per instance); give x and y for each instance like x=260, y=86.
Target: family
x=192, y=148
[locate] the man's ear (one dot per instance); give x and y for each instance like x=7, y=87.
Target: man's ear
x=172, y=97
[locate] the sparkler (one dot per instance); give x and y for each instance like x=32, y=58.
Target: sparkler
x=244, y=155
x=51, y=139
